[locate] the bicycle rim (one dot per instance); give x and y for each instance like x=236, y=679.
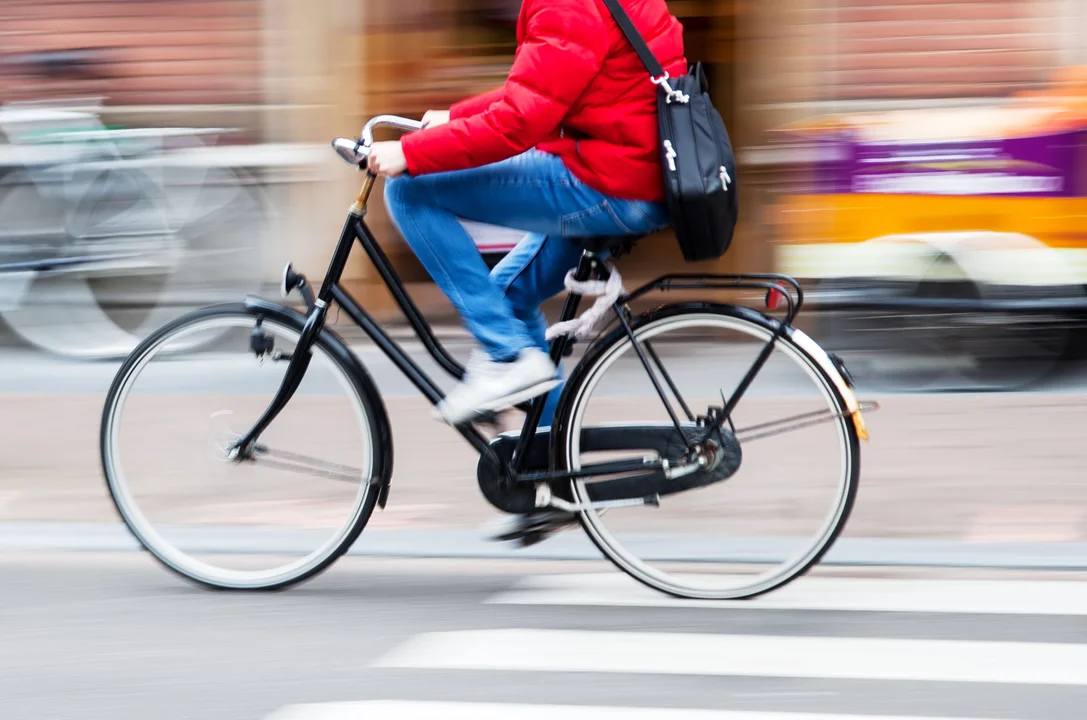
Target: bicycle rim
x=226, y=536
x=700, y=560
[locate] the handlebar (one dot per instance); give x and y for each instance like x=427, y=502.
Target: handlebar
x=355, y=152
x=400, y=123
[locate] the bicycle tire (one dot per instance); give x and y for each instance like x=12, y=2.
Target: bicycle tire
x=605, y=347
x=363, y=385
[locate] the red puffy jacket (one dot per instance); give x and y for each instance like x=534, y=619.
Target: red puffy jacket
x=576, y=90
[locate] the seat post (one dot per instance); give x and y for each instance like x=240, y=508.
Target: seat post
x=585, y=268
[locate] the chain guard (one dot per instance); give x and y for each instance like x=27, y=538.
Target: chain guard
x=662, y=440
x=497, y=488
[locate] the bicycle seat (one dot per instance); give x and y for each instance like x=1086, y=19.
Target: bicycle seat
x=617, y=244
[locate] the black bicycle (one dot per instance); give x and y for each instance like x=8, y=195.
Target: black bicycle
x=657, y=418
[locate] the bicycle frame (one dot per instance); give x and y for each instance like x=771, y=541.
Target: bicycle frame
x=356, y=230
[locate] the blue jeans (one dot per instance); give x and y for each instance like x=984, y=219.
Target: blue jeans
x=533, y=192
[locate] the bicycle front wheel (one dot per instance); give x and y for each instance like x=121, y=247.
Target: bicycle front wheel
x=785, y=472
x=285, y=515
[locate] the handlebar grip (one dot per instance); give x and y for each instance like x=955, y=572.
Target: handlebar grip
x=352, y=152
x=357, y=152
x=400, y=123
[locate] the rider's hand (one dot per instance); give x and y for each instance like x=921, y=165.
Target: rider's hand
x=387, y=158
x=434, y=118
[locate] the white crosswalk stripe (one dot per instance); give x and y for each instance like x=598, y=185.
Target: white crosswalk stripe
x=406, y=710
x=845, y=594
x=744, y=655
x=1047, y=666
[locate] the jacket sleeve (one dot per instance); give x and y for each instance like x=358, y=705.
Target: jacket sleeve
x=563, y=49
x=475, y=105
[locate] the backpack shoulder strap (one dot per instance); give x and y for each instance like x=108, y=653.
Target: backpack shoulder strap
x=635, y=38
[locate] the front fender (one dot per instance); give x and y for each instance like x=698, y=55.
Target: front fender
x=360, y=377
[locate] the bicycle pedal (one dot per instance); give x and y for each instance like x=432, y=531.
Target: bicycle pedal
x=530, y=539
x=490, y=420
x=533, y=529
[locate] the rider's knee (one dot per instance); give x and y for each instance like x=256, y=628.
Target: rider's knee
x=399, y=192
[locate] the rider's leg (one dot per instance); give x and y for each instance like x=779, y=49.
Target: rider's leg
x=512, y=367
x=530, y=274
x=535, y=192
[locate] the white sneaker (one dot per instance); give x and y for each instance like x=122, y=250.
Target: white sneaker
x=490, y=385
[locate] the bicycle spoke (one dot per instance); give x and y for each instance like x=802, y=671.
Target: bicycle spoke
x=294, y=462
x=796, y=422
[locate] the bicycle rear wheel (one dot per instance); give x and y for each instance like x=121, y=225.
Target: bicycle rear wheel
x=267, y=523
x=768, y=511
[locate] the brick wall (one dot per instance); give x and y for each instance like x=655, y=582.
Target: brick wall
x=153, y=51
x=931, y=48
x=914, y=49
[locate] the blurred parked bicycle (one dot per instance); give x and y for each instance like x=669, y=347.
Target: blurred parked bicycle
x=106, y=233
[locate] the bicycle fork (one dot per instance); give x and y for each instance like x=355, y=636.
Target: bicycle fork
x=300, y=358
x=292, y=378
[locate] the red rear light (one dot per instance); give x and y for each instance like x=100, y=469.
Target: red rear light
x=774, y=299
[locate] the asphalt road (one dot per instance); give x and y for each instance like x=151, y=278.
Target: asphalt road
x=115, y=636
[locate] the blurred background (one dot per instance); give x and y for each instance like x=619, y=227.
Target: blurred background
x=921, y=166
x=917, y=165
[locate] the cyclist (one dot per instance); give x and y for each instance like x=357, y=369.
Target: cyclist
x=566, y=148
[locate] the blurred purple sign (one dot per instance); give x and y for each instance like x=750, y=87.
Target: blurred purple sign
x=1035, y=166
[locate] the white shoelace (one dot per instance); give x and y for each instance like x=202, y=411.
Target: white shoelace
x=606, y=293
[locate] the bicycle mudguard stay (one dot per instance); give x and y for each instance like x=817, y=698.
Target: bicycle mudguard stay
x=774, y=286
x=360, y=378
x=833, y=366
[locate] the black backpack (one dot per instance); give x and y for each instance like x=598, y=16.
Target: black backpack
x=696, y=154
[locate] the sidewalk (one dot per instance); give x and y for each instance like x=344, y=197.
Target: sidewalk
x=974, y=468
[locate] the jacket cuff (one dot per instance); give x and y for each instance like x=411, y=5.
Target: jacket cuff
x=414, y=147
